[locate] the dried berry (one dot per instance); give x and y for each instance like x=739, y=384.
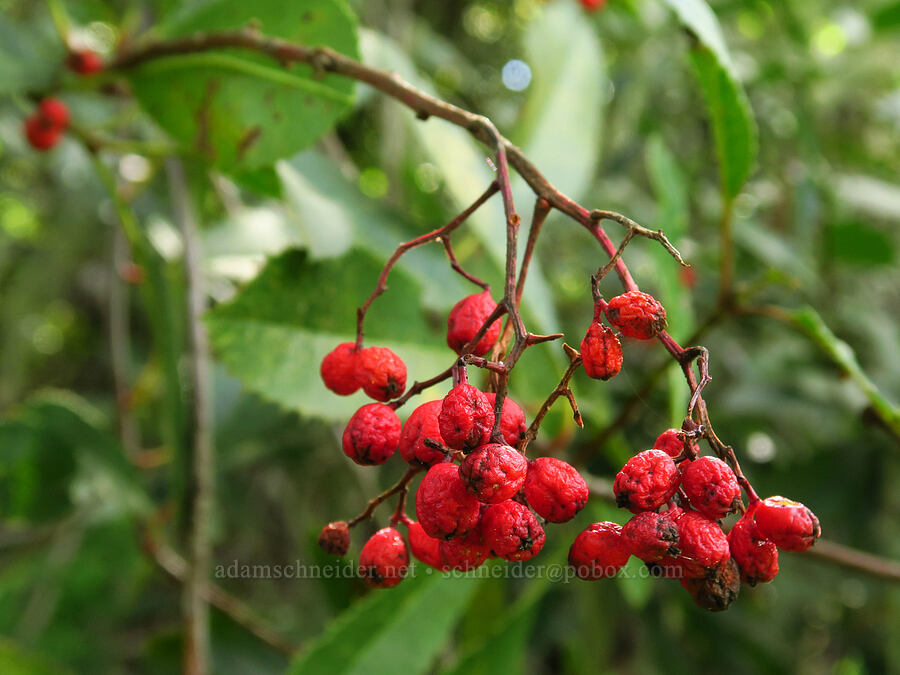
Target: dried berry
x=465, y=320
x=334, y=538
x=555, y=489
x=702, y=543
x=646, y=482
x=494, y=472
x=598, y=552
x=512, y=419
x=711, y=487
x=788, y=524
x=444, y=507
x=651, y=536
x=671, y=442
x=636, y=315
x=84, y=62
x=601, y=352
x=421, y=424
x=381, y=373
x=384, y=559
x=464, y=553
x=756, y=556
x=39, y=134
x=466, y=418
x=718, y=589
x=511, y=531
x=54, y=112
x=339, y=369
x=423, y=547
x=372, y=434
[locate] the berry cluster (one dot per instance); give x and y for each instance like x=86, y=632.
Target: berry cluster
x=46, y=125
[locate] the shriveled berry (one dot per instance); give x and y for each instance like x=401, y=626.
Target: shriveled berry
x=756, y=556
x=421, y=424
x=651, y=536
x=598, y=551
x=555, y=489
x=646, y=482
x=511, y=531
x=84, y=61
x=718, y=589
x=384, y=559
x=443, y=505
x=512, y=419
x=334, y=538
x=424, y=548
x=464, y=553
x=466, y=418
x=54, y=112
x=711, y=486
x=372, y=434
x=466, y=318
x=339, y=369
x=636, y=315
x=494, y=472
x=601, y=352
x=381, y=373
x=39, y=134
x=671, y=442
x=702, y=543
x=788, y=524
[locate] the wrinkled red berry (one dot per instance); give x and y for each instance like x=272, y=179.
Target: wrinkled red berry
x=384, y=560
x=711, y=487
x=636, y=315
x=702, y=543
x=512, y=419
x=466, y=318
x=718, y=589
x=334, y=538
x=671, y=442
x=511, y=531
x=54, y=112
x=651, y=536
x=464, y=553
x=598, y=552
x=756, y=556
x=39, y=134
x=788, y=524
x=381, y=373
x=555, y=489
x=601, y=352
x=466, y=418
x=494, y=472
x=84, y=61
x=423, y=547
x=593, y=5
x=421, y=424
x=339, y=369
x=646, y=482
x=372, y=434
x=443, y=505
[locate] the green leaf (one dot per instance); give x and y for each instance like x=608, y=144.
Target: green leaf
x=396, y=631
x=14, y=659
x=859, y=244
x=239, y=109
x=28, y=59
x=887, y=17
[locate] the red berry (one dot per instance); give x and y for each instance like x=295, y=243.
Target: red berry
x=555, y=489
x=671, y=442
x=494, y=472
x=54, y=112
x=443, y=505
x=381, y=373
x=41, y=135
x=756, y=557
x=384, y=559
x=84, y=61
x=646, y=482
x=423, y=547
x=711, y=487
x=651, y=536
x=466, y=418
x=338, y=369
x=601, y=352
x=421, y=424
x=718, y=589
x=788, y=524
x=466, y=318
x=598, y=552
x=334, y=538
x=511, y=531
x=512, y=419
x=464, y=553
x=636, y=315
x=593, y=5
x=702, y=543
x=372, y=434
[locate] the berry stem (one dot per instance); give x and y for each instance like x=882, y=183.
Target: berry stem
x=562, y=389
x=400, y=486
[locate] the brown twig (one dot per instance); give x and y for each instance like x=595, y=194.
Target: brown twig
x=562, y=389
x=398, y=487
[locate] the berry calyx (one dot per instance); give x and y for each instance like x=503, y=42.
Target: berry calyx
x=511, y=531
x=788, y=524
x=711, y=486
x=466, y=318
x=671, y=442
x=384, y=559
x=718, y=589
x=444, y=507
x=466, y=418
x=555, y=489
x=702, y=543
x=637, y=315
x=512, y=419
x=334, y=538
x=598, y=552
x=494, y=472
x=756, y=556
x=424, y=548
x=381, y=373
x=651, y=536
x=647, y=481
x=339, y=369
x=372, y=434
x=601, y=352
x=422, y=423
x=84, y=61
